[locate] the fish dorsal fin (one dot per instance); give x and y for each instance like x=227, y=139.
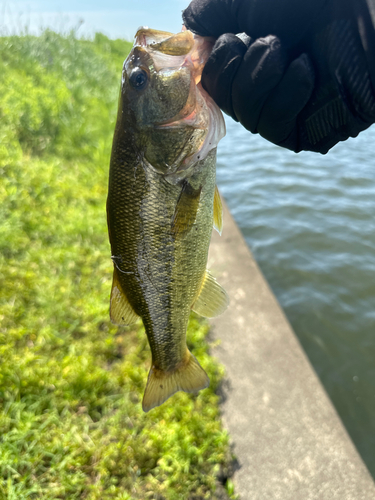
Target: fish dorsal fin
x=188, y=377
x=121, y=312
x=212, y=299
x=186, y=209
x=218, y=212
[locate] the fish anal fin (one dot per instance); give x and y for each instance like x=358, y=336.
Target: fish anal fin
x=161, y=385
x=218, y=212
x=186, y=210
x=120, y=311
x=212, y=299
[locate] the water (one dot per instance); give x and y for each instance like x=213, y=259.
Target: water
x=310, y=223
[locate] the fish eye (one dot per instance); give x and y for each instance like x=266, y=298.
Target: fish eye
x=138, y=78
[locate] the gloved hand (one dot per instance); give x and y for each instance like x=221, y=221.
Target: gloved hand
x=301, y=76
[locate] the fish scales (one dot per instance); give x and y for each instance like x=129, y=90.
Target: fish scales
x=160, y=232
x=166, y=272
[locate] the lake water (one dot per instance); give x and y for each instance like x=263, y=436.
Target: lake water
x=310, y=223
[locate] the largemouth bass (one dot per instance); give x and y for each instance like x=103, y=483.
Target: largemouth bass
x=162, y=204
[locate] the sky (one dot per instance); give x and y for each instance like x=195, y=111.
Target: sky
x=115, y=18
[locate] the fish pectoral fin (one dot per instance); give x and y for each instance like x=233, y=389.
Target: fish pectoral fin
x=188, y=377
x=218, y=212
x=120, y=311
x=212, y=299
x=186, y=209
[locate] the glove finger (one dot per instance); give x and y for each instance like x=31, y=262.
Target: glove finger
x=220, y=69
x=278, y=119
x=261, y=70
x=290, y=20
x=210, y=18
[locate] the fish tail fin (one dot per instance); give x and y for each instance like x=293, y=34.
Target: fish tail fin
x=188, y=377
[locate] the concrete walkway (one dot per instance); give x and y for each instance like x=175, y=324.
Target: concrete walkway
x=287, y=436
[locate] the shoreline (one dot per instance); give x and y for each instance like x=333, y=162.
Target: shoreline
x=287, y=437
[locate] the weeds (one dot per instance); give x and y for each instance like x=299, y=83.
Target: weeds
x=71, y=424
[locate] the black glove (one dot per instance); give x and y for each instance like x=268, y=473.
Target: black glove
x=304, y=83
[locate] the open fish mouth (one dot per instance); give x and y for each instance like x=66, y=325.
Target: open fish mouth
x=171, y=44
x=167, y=54
x=186, y=48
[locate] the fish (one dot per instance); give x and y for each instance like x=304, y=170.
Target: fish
x=163, y=203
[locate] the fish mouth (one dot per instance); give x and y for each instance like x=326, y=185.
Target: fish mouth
x=146, y=36
x=183, y=49
x=170, y=44
x=200, y=113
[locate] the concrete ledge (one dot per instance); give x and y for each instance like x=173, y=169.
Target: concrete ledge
x=287, y=436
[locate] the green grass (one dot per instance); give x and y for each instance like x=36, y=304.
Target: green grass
x=71, y=383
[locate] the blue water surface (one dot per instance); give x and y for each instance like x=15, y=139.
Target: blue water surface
x=310, y=223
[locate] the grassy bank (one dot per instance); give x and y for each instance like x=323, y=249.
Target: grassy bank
x=71, y=424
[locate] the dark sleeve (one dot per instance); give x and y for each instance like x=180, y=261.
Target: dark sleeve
x=343, y=100
x=365, y=18
x=289, y=20
x=306, y=79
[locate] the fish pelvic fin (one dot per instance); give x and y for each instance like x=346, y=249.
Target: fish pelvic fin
x=212, y=299
x=161, y=385
x=120, y=311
